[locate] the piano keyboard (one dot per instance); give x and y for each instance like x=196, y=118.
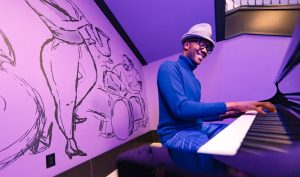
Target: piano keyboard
x=277, y=132
x=228, y=141
x=256, y=134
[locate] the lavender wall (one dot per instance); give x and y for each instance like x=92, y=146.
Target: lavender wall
x=242, y=68
x=69, y=85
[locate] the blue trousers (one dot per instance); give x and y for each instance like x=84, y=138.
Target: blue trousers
x=191, y=140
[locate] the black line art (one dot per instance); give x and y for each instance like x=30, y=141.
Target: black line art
x=70, y=75
x=121, y=109
x=74, y=78
x=22, y=114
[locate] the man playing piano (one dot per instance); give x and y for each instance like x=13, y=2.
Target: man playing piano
x=181, y=113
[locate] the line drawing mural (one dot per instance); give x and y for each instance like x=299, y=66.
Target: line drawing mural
x=121, y=109
x=71, y=33
x=15, y=92
x=125, y=82
x=77, y=65
x=78, y=75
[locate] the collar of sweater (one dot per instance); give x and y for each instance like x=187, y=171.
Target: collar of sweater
x=187, y=63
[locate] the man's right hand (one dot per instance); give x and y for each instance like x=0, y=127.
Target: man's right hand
x=249, y=106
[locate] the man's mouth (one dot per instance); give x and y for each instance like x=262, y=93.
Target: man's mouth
x=199, y=53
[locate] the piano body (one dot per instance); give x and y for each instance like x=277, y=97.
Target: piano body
x=267, y=145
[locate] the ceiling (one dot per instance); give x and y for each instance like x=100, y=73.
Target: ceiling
x=155, y=27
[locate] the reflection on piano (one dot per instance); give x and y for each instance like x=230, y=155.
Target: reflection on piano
x=269, y=144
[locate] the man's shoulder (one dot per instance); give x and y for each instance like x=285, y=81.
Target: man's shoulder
x=168, y=64
x=168, y=68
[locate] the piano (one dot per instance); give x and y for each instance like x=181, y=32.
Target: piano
x=267, y=144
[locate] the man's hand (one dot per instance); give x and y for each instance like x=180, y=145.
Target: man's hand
x=231, y=114
x=250, y=105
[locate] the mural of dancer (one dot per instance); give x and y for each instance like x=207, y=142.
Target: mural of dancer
x=70, y=75
x=16, y=135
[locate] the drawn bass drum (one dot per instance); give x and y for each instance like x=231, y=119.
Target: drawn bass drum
x=122, y=119
x=126, y=114
x=22, y=118
x=138, y=107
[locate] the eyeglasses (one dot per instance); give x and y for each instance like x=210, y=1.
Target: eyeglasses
x=202, y=44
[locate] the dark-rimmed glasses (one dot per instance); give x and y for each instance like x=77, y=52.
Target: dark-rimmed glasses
x=202, y=44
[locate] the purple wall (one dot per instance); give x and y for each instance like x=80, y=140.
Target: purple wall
x=69, y=85
x=242, y=68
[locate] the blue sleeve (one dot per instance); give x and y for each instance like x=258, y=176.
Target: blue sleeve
x=171, y=89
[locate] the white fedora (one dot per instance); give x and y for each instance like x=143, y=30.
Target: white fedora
x=201, y=30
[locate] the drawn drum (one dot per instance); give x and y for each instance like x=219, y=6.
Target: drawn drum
x=138, y=107
x=22, y=118
x=122, y=119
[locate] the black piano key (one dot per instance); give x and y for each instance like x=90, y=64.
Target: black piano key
x=281, y=123
x=271, y=140
x=275, y=122
x=269, y=114
x=274, y=131
x=280, y=118
x=267, y=146
x=267, y=118
x=275, y=128
x=271, y=135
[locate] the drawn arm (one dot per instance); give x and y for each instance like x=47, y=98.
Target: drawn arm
x=54, y=14
x=138, y=84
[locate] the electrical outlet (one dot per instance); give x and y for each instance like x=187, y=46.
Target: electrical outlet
x=50, y=160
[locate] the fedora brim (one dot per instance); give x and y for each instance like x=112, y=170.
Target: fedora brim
x=192, y=36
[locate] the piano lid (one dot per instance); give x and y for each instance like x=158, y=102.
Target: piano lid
x=288, y=77
x=292, y=57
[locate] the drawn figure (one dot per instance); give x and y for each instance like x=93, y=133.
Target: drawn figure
x=117, y=101
x=124, y=84
x=131, y=84
x=70, y=74
x=22, y=114
x=125, y=78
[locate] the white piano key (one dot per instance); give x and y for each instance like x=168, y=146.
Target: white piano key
x=228, y=141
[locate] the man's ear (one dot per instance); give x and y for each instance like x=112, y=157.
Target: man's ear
x=186, y=45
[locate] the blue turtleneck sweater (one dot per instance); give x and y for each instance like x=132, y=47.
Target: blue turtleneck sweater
x=179, y=99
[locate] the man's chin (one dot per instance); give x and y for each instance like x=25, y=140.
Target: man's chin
x=199, y=61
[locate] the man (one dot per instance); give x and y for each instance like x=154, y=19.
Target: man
x=181, y=113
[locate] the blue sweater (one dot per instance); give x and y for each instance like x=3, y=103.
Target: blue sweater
x=179, y=99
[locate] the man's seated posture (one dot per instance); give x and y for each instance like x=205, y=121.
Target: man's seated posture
x=181, y=112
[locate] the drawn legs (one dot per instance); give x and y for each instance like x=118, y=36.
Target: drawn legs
x=55, y=63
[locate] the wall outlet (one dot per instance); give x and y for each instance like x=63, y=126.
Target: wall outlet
x=50, y=160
